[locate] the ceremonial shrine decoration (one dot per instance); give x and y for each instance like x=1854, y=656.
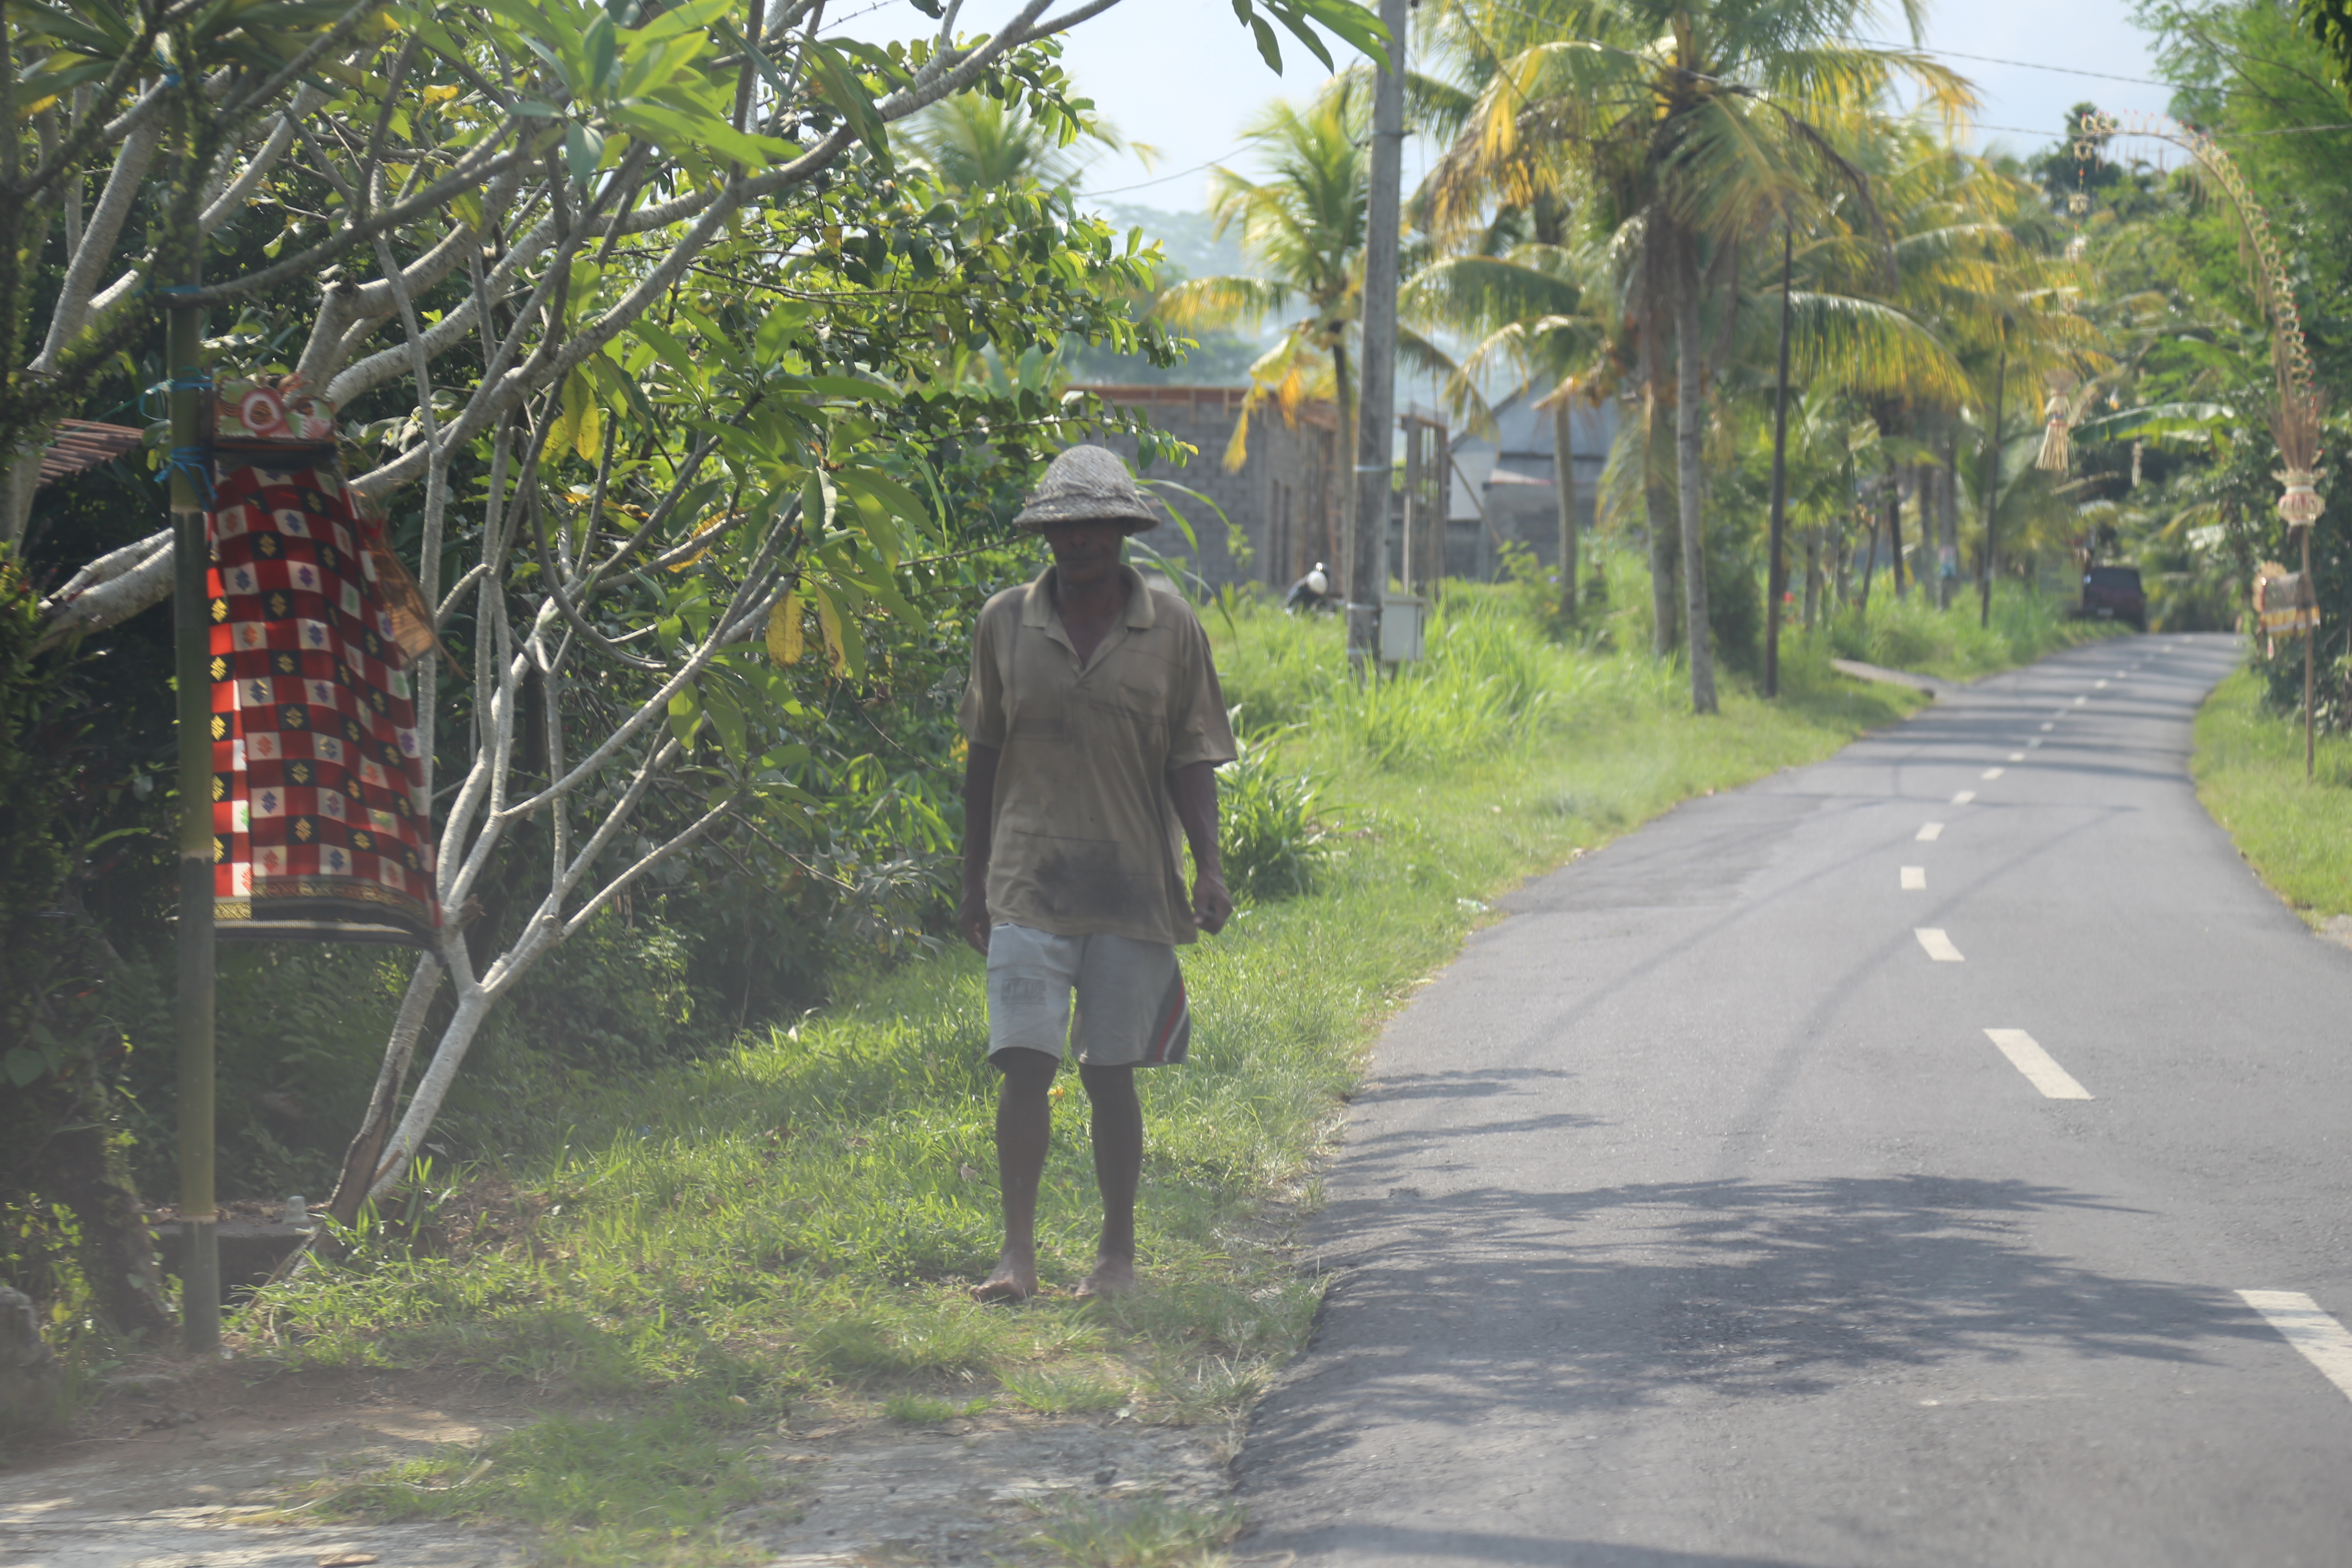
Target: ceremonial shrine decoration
x=2284, y=602
x=322, y=825
x=261, y=415
x=2300, y=505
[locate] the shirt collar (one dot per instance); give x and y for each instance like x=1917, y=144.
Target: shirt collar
x=1037, y=603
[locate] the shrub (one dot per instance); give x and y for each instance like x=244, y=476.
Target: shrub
x=1269, y=835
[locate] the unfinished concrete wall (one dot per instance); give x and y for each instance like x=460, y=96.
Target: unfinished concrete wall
x=1277, y=512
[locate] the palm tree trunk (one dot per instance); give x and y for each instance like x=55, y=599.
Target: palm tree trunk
x=1563, y=447
x=1869, y=566
x=1343, y=474
x=1948, y=517
x=1812, y=577
x=1894, y=527
x=1658, y=511
x=1657, y=508
x=1690, y=430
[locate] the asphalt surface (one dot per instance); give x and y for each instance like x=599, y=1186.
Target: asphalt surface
x=1693, y=1218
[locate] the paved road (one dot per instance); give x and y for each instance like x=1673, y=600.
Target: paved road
x=1694, y=1218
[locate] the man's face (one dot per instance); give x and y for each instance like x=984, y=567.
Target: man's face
x=1086, y=553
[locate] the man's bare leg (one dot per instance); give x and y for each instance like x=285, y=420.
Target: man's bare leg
x=1024, y=1127
x=1118, y=1167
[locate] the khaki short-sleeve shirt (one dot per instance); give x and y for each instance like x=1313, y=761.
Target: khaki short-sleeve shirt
x=1085, y=836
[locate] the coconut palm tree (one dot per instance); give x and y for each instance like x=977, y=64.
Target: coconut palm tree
x=1686, y=128
x=1529, y=308
x=1302, y=223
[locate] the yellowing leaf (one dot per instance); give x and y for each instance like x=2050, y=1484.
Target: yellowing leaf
x=828, y=619
x=710, y=525
x=784, y=633
x=441, y=94
x=576, y=401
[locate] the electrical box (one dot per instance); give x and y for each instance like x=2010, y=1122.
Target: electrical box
x=1402, y=617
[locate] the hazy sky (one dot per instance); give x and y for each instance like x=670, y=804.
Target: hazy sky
x=1182, y=75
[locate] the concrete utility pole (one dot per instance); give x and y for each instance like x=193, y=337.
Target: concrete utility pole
x=1367, y=560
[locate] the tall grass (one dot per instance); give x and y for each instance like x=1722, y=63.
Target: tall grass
x=1910, y=633
x=1490, y=679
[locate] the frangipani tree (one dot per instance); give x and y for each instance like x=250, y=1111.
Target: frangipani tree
x=644, y=327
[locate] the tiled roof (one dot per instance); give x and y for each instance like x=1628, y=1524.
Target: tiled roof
x=83, y=444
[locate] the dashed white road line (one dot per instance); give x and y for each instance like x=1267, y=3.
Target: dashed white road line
x=2080, y=701
x=2028, y=1057
x=1914, y=879
x=1965, y=796
x=1996, y=772
x=2036, y=741
x=1930, y=831
x=2020, y=756
x=2323, y=1341
x=2096, y=686
x=1939, y=946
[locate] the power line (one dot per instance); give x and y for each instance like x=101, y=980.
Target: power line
x=2022, y=64
x=1146, y=185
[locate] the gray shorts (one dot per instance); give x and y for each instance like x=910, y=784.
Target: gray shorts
x=1130, y=998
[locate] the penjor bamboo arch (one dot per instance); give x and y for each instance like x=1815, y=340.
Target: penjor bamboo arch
x=2295, y=405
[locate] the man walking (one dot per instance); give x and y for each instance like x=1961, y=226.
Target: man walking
x=1095, y=725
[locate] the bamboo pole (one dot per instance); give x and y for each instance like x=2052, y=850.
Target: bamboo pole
x=2310, y=638
x=191, y=625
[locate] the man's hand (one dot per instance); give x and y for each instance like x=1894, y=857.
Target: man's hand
x=971, y=917
x=979, y=801
x=1211, y=905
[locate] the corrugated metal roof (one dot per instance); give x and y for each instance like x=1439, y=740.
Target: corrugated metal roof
x=81, y=445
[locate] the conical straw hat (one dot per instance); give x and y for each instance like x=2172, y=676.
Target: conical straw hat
x=1087, y=484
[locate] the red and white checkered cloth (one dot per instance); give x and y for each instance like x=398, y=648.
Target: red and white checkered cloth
x=319, y=817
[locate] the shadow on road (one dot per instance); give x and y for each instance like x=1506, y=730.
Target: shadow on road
x=1490, y=1303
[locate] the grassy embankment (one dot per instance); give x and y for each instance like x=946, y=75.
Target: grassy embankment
x=2296, y=831
x=784, y=1235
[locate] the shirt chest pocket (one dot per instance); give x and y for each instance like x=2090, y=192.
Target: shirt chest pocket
x=1143, y=708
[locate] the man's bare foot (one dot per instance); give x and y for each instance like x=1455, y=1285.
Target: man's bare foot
x=1015, y=1278
x=1113, y=1276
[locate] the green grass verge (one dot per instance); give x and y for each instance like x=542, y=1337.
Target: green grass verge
x=784, y=1235
x=2296, y=831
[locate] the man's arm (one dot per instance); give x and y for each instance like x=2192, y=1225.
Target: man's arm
x=1194, y=787
x=979, y=833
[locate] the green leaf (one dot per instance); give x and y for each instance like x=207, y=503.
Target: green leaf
x=674, y=354
x=26, y=1063
x=584, y=149
x=727, y=719
x=839, y=86
x=602, y=53
x=681, y=133
x=695, y=16
x=783, y=319
x=685, y=717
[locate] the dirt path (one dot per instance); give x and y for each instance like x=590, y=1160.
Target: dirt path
x=176, y=1472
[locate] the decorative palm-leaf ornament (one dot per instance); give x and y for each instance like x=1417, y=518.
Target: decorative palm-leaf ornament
x=2295, y=405
x=2061, y=412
